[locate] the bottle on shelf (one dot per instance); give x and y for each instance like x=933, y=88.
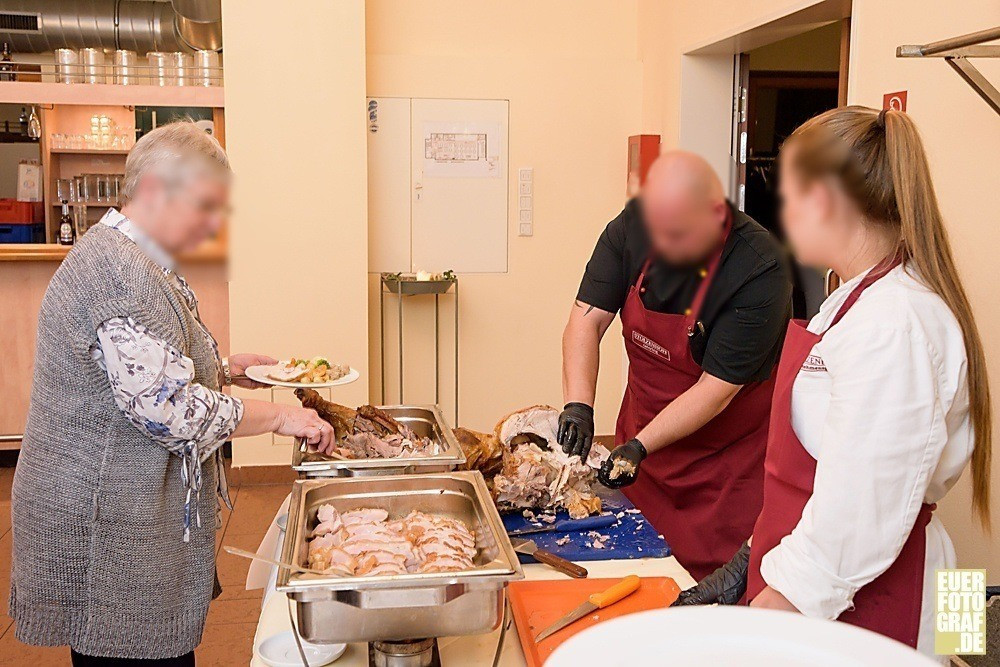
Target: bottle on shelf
x=67, y=231
x=7, y=64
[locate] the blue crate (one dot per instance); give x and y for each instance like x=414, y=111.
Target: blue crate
x=34, y=233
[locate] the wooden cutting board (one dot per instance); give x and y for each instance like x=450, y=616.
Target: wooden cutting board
x=538, y=604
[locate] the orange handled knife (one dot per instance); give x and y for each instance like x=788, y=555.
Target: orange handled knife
x=622, y=589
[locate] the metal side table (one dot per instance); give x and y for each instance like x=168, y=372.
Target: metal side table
x=404, y=286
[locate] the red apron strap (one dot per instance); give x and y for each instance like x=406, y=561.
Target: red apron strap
x=880, y=270
x=642, y=273
x=694, y=311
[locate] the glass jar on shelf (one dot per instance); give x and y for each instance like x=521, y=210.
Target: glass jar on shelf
x=126, y=71
x=162, y=73
x=92, y=63
x=67, y=65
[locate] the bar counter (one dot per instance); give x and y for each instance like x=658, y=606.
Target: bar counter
x=25, y=272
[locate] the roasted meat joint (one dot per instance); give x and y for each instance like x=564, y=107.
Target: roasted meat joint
x=367, y=432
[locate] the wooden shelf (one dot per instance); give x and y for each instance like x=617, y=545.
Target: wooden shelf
x=210, y=251
x=40, y=92
x=32, y=252
x=88, y=151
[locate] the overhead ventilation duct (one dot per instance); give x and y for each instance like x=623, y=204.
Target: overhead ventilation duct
x=38, y=26
x=198, y=23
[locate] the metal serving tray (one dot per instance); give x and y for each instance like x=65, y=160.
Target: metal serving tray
x=425, y=420
x=333, y=609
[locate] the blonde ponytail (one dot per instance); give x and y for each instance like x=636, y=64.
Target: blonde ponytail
x=880, y=161
x=925, y=241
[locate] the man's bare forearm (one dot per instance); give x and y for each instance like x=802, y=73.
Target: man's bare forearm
x=688, y=412
x=581, y=348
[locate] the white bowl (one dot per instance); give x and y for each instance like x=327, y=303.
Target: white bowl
x=280, y=651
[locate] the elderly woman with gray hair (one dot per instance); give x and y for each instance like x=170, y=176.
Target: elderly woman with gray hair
x=113, y=502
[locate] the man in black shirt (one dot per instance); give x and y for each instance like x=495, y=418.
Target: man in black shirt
x=704, y=297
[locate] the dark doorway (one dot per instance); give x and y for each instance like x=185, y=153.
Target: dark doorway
x=778, y=102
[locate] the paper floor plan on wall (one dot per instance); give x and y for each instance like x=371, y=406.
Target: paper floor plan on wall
x=461, y=150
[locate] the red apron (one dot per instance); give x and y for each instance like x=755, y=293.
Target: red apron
x=703, y=492
x=889, y=605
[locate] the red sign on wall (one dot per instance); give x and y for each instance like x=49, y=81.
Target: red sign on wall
x=895, y=101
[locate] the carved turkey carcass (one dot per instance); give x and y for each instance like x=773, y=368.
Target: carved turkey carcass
x=527, y=468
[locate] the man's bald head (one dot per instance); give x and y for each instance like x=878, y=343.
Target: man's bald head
x=683, y=207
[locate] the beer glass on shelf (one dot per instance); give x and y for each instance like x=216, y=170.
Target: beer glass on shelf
x=82, y=189
x=64, y=190
x=80, y=219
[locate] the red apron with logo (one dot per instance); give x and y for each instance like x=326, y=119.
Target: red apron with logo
x=703, y=492
x=889, y=605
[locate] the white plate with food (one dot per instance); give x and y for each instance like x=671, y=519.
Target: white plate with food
x=312, y=373
x=281, y=651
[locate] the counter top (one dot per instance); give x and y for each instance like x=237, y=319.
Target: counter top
x=477, y=649
x=214, y=251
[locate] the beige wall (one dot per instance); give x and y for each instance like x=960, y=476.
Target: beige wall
x=962, y=136
x=295, y=129
x=570, y=71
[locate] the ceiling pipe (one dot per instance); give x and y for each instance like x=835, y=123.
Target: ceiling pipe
x=198, y=23
x=39, y=26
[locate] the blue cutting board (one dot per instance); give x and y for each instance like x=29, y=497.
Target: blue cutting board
x=632, y=537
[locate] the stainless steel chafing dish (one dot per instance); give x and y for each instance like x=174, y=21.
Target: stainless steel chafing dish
x=399, y=607
x=425, y=420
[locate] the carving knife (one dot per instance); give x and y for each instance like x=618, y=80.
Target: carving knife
x=621, y=590
x=567, y=567
x=570, y=525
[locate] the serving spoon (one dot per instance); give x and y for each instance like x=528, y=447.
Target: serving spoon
x=282, y=564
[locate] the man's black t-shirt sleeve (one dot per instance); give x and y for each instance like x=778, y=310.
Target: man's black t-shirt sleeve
x=744, y=340
x=603, y=283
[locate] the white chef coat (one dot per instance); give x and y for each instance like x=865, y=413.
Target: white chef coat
x=882, y=404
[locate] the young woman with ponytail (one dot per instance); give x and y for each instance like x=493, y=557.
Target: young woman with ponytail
x=880, y=401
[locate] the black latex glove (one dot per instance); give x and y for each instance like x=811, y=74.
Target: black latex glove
x=631, y=455
x=576, y=429
x=727, y=585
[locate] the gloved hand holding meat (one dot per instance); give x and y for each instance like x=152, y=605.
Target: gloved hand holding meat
x=528, y=470
x=576, y=429
x=622, y=466
x=727, y=585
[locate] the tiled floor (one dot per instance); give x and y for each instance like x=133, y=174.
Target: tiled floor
x=232, y=619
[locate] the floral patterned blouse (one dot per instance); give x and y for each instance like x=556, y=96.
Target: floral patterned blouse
x=153, y=382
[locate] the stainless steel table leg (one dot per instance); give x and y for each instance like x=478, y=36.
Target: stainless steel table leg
x=456, y=354
x=381, y=335
x=437, y=356
x=399, y=298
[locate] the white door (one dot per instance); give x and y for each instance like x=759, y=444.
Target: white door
x=458, y=152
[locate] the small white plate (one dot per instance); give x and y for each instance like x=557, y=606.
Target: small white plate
x=280, y=651
x=259, y=374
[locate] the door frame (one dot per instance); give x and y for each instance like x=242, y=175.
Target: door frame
x=708, y=77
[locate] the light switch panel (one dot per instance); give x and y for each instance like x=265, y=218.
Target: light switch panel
x=525, y=202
